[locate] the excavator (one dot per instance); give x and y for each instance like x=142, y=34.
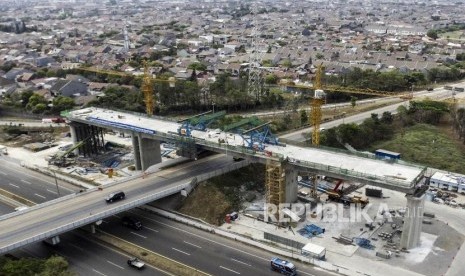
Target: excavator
x=60, y=159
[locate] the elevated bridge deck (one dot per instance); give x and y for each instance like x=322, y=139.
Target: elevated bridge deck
x=358, y=167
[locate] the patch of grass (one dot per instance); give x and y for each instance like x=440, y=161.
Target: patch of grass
x=428, y=145
x=216, y=197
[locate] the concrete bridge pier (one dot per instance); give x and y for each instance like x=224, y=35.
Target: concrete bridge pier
x=146, y=152
x=53, y=240
x=291, y=184
x=413, y=220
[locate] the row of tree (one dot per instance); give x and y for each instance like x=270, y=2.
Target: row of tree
x=53, y=266
x=376, y=129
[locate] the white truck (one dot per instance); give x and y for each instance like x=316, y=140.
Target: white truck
x=314, y=251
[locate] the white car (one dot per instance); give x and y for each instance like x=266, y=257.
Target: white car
x=136, y=263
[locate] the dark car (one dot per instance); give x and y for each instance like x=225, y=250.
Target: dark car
x=115, y=196
x=132, y=223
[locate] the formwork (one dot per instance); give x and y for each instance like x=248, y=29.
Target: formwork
x=275, y=182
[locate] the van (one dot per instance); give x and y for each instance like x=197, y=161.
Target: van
x=131, y=223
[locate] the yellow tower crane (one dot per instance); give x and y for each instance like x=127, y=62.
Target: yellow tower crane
x=147, y=89
x=318, y=99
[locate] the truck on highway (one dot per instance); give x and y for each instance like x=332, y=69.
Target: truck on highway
x=136, y=263
x=283, y=267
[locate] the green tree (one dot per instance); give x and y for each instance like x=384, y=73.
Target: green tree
x=271, y=79
x=56, y=266
x=25, y=97
x=61, y=103
x=353, y=101
x=197, y=66
x=39, y=108
x=432, y=33
x=34, y=100
x=303, y=117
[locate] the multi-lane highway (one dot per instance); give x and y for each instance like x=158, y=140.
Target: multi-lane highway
x=31, y=185
x=199, y=249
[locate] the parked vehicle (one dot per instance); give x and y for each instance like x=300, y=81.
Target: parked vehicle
x=136, y=263
x=132, y=223
x=115, y=196
x=283, y=267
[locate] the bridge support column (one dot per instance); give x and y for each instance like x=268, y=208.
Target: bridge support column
x=136, y=149
x=412, y=221
x=150, y=153
x=53, y=240
x=291, y=185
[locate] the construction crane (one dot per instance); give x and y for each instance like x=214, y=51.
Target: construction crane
x=146, y=87
x=318, y=100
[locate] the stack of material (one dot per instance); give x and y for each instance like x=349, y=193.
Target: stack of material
x=310, y=231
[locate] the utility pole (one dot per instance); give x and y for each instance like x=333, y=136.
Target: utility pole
x=56, y=183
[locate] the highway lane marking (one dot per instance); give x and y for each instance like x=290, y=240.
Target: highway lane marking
x=241, y=262
x=180, y=251
x=218, y=243
x=3, y=173
x=138, y=235
x=116, y=216
x=105, y=221
x=50, y=191
x=148, y=228
x=33, y=176
x=192, y=244
x=40, y=196
x=78, y=247
x=225, y=268
x=11, y=184
x=98, y=272
x=115, y=264
x=25, y=181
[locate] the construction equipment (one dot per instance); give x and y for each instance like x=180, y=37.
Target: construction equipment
x=198, y=122
x=60, y=159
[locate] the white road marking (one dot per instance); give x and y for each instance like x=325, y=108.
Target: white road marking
x=218, y=243
x=115, y=265
x=180, y=251
x=78, y=247
x=228, y=269
x=116, y=216
x=3, y=173
x=240, y=262
x=24, y=181
x=50, y=191
x=138, y=235
x=40, y=196
x=148, y=228
x=98, y=272
x=105, y=221
x=11, y=184
x=192, y=244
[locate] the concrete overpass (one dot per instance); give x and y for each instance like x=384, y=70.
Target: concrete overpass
x=50, y=219
x=147, y=132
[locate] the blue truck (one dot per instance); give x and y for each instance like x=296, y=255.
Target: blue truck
x=283, y=267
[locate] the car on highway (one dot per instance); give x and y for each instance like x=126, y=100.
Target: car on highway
x=136, y=263
x=131, y=222
x=115, y=196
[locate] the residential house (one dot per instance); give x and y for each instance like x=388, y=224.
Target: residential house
x=7, y=86
x=69, y=88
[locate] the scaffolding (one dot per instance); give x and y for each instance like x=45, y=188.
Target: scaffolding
x=275, y=182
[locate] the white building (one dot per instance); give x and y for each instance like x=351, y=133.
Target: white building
x=449, y=181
